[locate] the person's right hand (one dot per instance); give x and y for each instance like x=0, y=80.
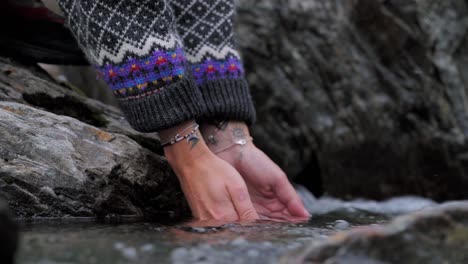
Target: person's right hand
x=213, y=188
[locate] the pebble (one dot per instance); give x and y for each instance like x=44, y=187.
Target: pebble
x=253, y=253
x=199, y=229
x=179, y=253
x=341, y=225
x=128, y=252
x=147, y=248
x=119, y=245
x=267, y=244
x=239, y=241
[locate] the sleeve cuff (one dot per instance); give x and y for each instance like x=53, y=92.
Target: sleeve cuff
x=227, y=99
x=165, y=107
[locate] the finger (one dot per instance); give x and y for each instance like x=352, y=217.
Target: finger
x=276, y=216
x=288, y=195
x=241, y=199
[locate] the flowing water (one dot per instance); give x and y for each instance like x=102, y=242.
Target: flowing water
x=77, y=242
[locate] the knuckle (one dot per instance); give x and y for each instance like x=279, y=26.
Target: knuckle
x=249, y=214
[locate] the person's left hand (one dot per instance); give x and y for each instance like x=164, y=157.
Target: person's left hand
x=271, y=192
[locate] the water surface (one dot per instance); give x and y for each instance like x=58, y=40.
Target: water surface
x=67, y=242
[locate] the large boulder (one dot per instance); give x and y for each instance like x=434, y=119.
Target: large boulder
x=362, y=97
x=32, y=86
x=8, y=236
x=54, y=165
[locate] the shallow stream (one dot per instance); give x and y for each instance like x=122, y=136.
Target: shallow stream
x=67, y=242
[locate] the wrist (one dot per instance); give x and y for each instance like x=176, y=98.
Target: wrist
x=226, y=135
x=180, y=156
x=186, y=151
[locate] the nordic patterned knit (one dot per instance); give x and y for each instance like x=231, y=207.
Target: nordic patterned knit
x=166, y=61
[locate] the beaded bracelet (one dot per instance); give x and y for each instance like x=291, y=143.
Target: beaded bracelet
x=189, y=136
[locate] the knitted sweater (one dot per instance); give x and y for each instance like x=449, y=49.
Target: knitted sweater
x=166, y=61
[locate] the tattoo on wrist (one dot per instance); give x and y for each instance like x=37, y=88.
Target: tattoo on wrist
x=224, y=135
x=212, y=140
x=193, y=139
x=223, y=125
x=238, y=133
x=219, y=124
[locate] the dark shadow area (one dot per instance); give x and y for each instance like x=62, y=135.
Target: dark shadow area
x=68, y=106
x=151, y=144
x=311, y=177
x=8, y=237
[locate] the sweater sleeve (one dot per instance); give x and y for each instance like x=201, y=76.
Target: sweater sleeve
x=136, y=50
x=206, y=29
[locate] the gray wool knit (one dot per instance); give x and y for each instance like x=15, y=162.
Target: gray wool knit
x=166, y=61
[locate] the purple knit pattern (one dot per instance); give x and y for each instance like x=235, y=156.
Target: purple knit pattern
x=144, y=76
x=137, y=75
x=214, y=70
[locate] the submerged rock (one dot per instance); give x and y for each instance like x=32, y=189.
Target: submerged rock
x=435, y=235
x=8, y=236
x=362, y=98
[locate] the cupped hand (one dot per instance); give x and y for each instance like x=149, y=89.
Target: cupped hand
x=270, y=190
x=213, y=188
x=215, y=191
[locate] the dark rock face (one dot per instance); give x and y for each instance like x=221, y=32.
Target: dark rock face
x=362, y=97
x=8, y=236
x=437, y=235
x=53, y=165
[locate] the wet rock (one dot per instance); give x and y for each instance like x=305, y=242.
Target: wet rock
x=390, y=207
x=55, y=166
x=8, y=236
x=436, y=235
x=362, y=97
